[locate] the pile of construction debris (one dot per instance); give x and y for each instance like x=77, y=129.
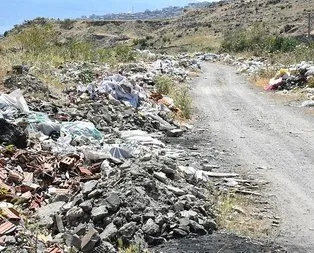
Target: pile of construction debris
x=88, y=169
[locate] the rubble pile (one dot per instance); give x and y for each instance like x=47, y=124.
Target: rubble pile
x=21, y=78
x=88, y=169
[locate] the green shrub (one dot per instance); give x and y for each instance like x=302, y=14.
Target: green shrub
x=124, y=54
x=141, y=43
x=163, y=84
x=66, y=24
x=183, y=100
x=258, y=40
x=36, y=38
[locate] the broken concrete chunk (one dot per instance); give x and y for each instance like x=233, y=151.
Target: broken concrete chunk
x=179, y=206
x=161, y=176
x=75, y=213
x=99, y=213
x=89, y=241
x=89, y=186
x=189, y=214
x=128, y=230
x=86, y=206
x=176, y=190
x=197, y=228
x=209, y=167
x=175, y=132
x=113, y=201
x=46, y=213
x=179, y=233
x=109, y=232
x=187, y=170
x=73, y=240
x=59, y=223
x=151, y=228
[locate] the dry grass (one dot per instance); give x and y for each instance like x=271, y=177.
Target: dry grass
x=131, y=248
x=310, y=82
x=261, y=82
x=262, y=78
x=239, y=214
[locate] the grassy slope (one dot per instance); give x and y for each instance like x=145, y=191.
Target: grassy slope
x=196, y=29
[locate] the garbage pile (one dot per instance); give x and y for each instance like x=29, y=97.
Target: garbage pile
x=284, y=80
x=88, y=169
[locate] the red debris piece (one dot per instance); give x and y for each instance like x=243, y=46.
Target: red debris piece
x=27, y=195
x=10, y=214
x=85, y=172
x=156, y=96
x=55, y=249
x=62, y=117
x=15, y=176
x=36, y=202
x=28, y=177
x=25, y=187
x=17, y=154
x=67, y=163
x=6, y=228
x=3, y=174
x=95, y=168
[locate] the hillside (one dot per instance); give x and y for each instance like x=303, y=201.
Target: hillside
x=194, y=29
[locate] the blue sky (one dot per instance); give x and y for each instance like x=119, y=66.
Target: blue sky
x=16, y=11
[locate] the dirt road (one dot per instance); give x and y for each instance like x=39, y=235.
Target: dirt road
x=262, y=132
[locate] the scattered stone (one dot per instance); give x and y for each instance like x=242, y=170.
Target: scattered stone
x=99, y=213
x=10, y=240
x=161, y=176
x=151, y=228
x=89, y=241
x=179, y=233
x=105, y=247
x=176, y=190
x=179, y=206
x=86, y=206
x=113, y=202
x=209, y=167
x=59, y=223
x=197, y=228
x=109, y=232
x=174, y=133
x=46, y=213
x=128, y=230
x=75, y=213
x=73, y=241
x=89, y=186
x=189, y=214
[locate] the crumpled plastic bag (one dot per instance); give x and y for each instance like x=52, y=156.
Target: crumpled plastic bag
x=121, y=89
x=41, y=122
x=11, y=103
x=120, y=153
x=81, y=130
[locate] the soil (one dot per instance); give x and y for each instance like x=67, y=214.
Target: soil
x=220, y=242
